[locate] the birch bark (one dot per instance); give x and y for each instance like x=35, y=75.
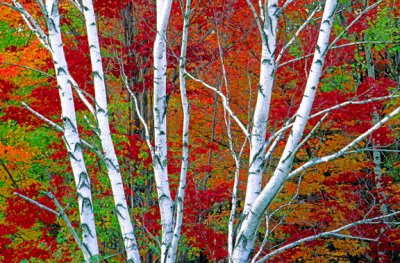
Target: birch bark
x=71, y=136
x=110, y=158
x=160, y=161
x=172, y=253
x=246, y=236
x=260, y=119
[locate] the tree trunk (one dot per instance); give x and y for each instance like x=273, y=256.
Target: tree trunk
x=246, y=235
x=110, y=158
x=160, y=160
x=71, y=136
x=260, y=119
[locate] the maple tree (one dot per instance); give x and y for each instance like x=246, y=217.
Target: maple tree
x=314, y=82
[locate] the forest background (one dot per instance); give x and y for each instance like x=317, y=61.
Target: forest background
x=219, y=80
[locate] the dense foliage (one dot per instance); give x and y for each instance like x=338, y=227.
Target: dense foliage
x=223, y=50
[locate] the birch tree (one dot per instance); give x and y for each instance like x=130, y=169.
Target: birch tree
x=53, y=43
x=101, y=114
x=160, y=160
x=247, y=232
x=243, y=234
x=259, y=198
x=170, y=227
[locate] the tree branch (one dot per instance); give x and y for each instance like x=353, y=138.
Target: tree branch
x=60, y=214
x=224, y=102
x=344, y=149
x=334, y=233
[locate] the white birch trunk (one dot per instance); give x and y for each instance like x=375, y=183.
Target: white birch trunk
x=110, y=158
x=160, y=161
x=260, y=120
x=179, y=200
x=246, y=236
x=71, y=136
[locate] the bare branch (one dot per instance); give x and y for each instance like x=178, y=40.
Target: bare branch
x=81, y=94
x=297, y=33
x=29, y=68
x=338, y=106
x=60, y=129
x=231, y=232
x=43, y=118
x=64, y=217
x=285, y=5
x=346, y=148
x=353, y=22
x=31, y=22
x=43, y=207
x=360, y=102
x=146, y=128
x=333, y=233
x=331, y=46
x=311, y=133
x=224, y=102
x=268, y=217
x=8, y=172
x=257, y=19
x=60, y=214
x=77, y=4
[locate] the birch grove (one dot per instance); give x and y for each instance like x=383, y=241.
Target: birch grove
x=252, y=150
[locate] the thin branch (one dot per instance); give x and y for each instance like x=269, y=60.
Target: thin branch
x=60, y=129
x=61, y=214
x=231, y=231
x=224, y=102
x=353, y=22
x=331, y=46
x=13, y=181
x=371, y=149
x=360, y=102
x=42, y=8
x=294, y=197
x=355, y=237
x=338, y=106
x=257, y=19
x=334, y=233
x=142, y=120
x=43, y=207
x=77, y=4
x=141, y=225
x=346, y=148
x=264, y=242
x=276, y=137
x=29, y=68
x=64, y=217
x=338, y=47
x=91, y=126
x=284, y=6
x=43, y=118
x=311, y=133
x=31, y=22
x=81, y=94
x=297, y=33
